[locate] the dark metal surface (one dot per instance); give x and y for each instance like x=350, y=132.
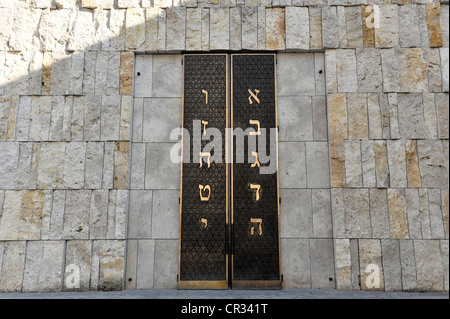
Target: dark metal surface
x=203, y=248
x=256, y=257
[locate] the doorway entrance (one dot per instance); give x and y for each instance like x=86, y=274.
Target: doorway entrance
x=229, y=192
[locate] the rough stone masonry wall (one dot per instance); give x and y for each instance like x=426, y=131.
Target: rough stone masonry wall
x=66, y=86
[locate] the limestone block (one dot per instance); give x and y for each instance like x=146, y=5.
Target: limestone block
x=338, y=213
x=108, y=165
x=353, y=168
x=61, y=118
x=295, y=256
x=145, y=264
x=117, y=29
x=397, y=213
x=445, y=262
x=430, y=272
x=108, y=260
x=113, y=78
x=81, y=32
x=317, y=165
x=296, y=213
x=219, y=28
x=430, y=116
x=412, y=164
x=292, y=165
x=357, y=219
x=434, y=25
x=386, y=115
x=275, y=29
x=205, y=29
x=410, y=116
x=151, y=29
x=125, y=117
x=322, y=265
x=94, y=165
x=92, y=116
x=432, y=163
x=168, y=72
x=33, y=260
x=160, y=172
x=161, y=116
x=128, y=3
x=444, y=21
x=194, y=27
x=295, y=118
x=424, y=213
x=397, y=163
x=331, y=71
x=78, y=254
x=176, y=29
x=121, y=161
x=387, y=36
x=414, y=71
x=250, y=28
x=76, y=215
x=368, y=163
x=31, y=215
x=41, y=109
x=76, y=74
x=140, y=214
x=51, y=165
x=346, y=70
x=320, y=124
x=138, y=118
x=391, y=264
x=13, y=264
x=436, y=214
x=110, y=118
x=9, y=228
x=342, y=28
x=370, y=253
x=101, y=72
x=357, y=116
x=11, y=133
x=379, y=213
x=370, y=78
x=391, y=69
x=368, y=26
x=126, y=73
x=290, y=65
x=57, y=215
x=165, y=214
x=5, y=102
x=5, y=27
x=236, y=33
x=50, y=266
x=354, y=26
x=297, y=28
x=321, y=207
x=9, y=157
x=442, y=108
x=315, y=28
x=413, y=213
x=131, y=265
x=74, y=165
x=98, y=213
x=330, y=29
x=423, y=26
x=163, y=3
x=408, y=265
x=444, y=68
x=343, y=264
x=319, y=68
x=381, y=164
x=137, y=172
x=261, y=28
x=166, y=264
x=431, y=56
x=393, y=115
x=117, y=210
x=374, y=113
x=408, y=23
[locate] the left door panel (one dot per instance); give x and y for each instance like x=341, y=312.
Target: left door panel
x=203, y=251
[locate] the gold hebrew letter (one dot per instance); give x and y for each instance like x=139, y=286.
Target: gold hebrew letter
x=253, y=95
x=258, y=131
x=256, y=163
x=258, y=188
x=204, y=126
x=208, y=154
x=206, y=93
x=204, y=222
x=259, y=222
x=208, y=188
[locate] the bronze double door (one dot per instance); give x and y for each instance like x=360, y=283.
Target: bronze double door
x=229, y=206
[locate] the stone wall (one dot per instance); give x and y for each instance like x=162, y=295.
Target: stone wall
x=69, y=123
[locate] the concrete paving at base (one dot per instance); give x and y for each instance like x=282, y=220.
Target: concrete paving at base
x=230, y=294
